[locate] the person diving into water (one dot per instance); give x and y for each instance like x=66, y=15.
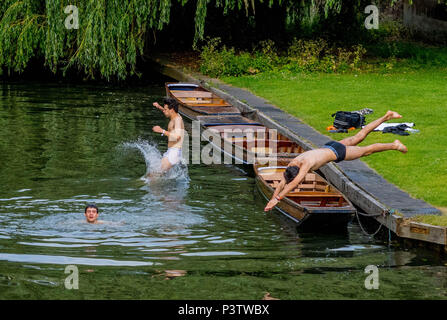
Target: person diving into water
x=345, y=149
x=174, y=133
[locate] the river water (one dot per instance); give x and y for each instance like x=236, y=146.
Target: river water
x=199, y=234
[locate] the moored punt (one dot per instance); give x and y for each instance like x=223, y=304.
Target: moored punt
x=248, y=142
x=237, y=136
x=195, y=101
x=314, y=204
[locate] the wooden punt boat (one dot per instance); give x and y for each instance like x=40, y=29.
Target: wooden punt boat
x=314, y=204
x=248, y=142
x=195, y=101
x=237, y=136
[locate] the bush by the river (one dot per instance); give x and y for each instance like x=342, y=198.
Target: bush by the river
x=301, y=56
x=390, y=52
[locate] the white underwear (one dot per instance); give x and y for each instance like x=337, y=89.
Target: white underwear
x=174, y=155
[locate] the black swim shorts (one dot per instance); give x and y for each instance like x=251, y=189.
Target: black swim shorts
x=338, y=148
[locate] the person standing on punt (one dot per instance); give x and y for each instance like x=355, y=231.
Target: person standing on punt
x=174, y=133
x=346, y=149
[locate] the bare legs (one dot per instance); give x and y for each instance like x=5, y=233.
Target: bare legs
x=354, y=152
x=361, y=135
x=165, y=166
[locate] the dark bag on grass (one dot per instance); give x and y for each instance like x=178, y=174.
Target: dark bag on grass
x=346, y=120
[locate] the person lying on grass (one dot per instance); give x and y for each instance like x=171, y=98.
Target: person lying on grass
x=346, y=149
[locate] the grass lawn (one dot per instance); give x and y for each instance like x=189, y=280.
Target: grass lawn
x=419, y=96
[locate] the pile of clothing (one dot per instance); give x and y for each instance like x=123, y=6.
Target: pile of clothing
x=349, y=120
x=401, y=129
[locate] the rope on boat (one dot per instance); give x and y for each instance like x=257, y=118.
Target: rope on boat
x=369, y=215
x=387, y=214
x=361, y=227
x=389, y=229
x=389, y=237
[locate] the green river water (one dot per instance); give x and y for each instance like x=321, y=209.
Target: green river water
x=65, y=145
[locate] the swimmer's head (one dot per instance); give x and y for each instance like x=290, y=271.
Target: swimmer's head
x=91, y=213
x=170, y=106
x=290, y=173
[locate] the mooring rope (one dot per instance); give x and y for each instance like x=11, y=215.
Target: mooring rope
x=387, y=214
x=389, y=231
x=361, y=227
x=370, y=215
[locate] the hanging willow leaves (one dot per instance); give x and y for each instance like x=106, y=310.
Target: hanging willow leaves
x=21, y=33
x=111, y=33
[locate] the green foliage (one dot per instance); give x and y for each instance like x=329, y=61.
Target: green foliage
x=217, y=60
x=415, y=55
x=21, y=33
x=110, y=37
x=111, y=33
x=302, y=56
x=318, y=55
x=389, y=30
x=394, y=41
x=307, y=56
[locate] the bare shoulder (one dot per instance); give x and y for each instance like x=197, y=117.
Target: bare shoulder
x=179, y=125
x=179, y=120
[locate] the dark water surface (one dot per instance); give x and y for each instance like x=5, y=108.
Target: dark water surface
x=62, y=146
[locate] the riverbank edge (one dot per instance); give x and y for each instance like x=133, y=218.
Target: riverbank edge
x=370, y=192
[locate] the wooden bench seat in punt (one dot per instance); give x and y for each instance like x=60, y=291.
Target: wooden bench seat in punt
x=193, y=94
x=225, y=120
x=211, y=111
x=310, y=177
x=200, y=104
x=239, y=130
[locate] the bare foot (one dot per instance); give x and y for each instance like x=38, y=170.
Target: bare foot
x=392, y=115
x=267, y=296
x=174, y=273
x=153, y=175
x=400, y=146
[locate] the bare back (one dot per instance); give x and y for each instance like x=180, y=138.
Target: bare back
x=314, y=158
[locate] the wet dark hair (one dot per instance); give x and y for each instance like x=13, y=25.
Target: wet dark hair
x=172, y=104
x=290, y=173
x=91, y=205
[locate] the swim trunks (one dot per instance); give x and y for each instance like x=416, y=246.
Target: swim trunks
x=338, y=148
x=174, y=155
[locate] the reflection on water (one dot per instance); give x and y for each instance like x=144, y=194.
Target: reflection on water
x=198, y=232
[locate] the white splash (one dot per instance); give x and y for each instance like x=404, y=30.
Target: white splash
x=152, y=157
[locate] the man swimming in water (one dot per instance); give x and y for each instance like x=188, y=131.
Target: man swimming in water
x=175, y=134
x=91, y=213
x=346, y=149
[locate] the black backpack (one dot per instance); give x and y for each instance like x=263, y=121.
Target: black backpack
x=346, y=120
